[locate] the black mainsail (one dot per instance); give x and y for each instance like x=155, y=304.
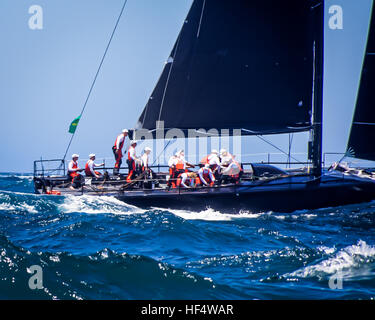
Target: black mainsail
x=362, y=136
x=238, y=65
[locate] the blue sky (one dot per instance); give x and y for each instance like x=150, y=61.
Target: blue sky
x=46, y=74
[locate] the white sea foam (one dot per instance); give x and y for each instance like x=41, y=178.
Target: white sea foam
x=18, y=207
x=28, y=177
x=7, y=207
x=211, y=215
x=326, y=250
x=345, y=259
x=95, y=205
x=28, y=208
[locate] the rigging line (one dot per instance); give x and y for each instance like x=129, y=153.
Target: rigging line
x=291, y=135
x=200, y=20
x=290, y=142
x=276, y=147
x=174, y=56
x=174, y=138
x=364, y=123
x=97, y=73
x=169, y=74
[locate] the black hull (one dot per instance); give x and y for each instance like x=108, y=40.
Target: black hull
x=283, y=196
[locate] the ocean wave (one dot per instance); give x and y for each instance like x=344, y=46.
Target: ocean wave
x=97, y=205
x=215, y=215
x=13, y=182
x=211, y=215
x=262, y=266
x=16, y=176
x=16, y=202
x=103, y=275
x=32, y=203
x=349, y=260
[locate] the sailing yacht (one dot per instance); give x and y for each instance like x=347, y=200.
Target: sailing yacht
x=251, y=68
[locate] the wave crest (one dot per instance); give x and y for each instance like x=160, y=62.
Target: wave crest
x=349, y=259
x=93, y=204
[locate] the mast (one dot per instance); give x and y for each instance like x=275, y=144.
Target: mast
x=317, y=116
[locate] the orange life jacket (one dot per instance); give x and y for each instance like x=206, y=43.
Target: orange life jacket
x=180, y=165
x=74, y=174
x=88, y=171
x=206, y=177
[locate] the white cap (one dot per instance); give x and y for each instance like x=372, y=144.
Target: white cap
x=125, y=131
x=91, y=155
x=147, y=149
x=178, y=153
x=75, y=155
x=214, y=151
x=222, y=151
x=133, y=141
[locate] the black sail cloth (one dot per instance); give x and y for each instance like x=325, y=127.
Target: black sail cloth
x=362, y=136
x=238, y=64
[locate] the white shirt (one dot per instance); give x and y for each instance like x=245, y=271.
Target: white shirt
x=226, y=160
x=202, y=171
x=91, y=166
x=185, y=177
x=120, y=138
x=132, y=154
x=232, y=169
x=144, y=159
x=70, y=166
x=213, y=159
x=172, y=161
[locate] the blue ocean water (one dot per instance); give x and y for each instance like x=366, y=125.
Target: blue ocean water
x=102, y=248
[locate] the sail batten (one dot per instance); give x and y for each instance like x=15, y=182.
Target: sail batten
x=362, y=134
x=238, y=65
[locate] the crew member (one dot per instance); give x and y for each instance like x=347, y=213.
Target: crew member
x=145, y=158
x=90, y=167
x=206, y=176
x=132, y=158
x=187, y=179
x=182, y=165
x=73, y=172
x=231, y=168
x=214, y=161
x=172, y=162
x=117, y=150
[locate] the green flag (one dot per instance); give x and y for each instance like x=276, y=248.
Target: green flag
x=73, y=125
